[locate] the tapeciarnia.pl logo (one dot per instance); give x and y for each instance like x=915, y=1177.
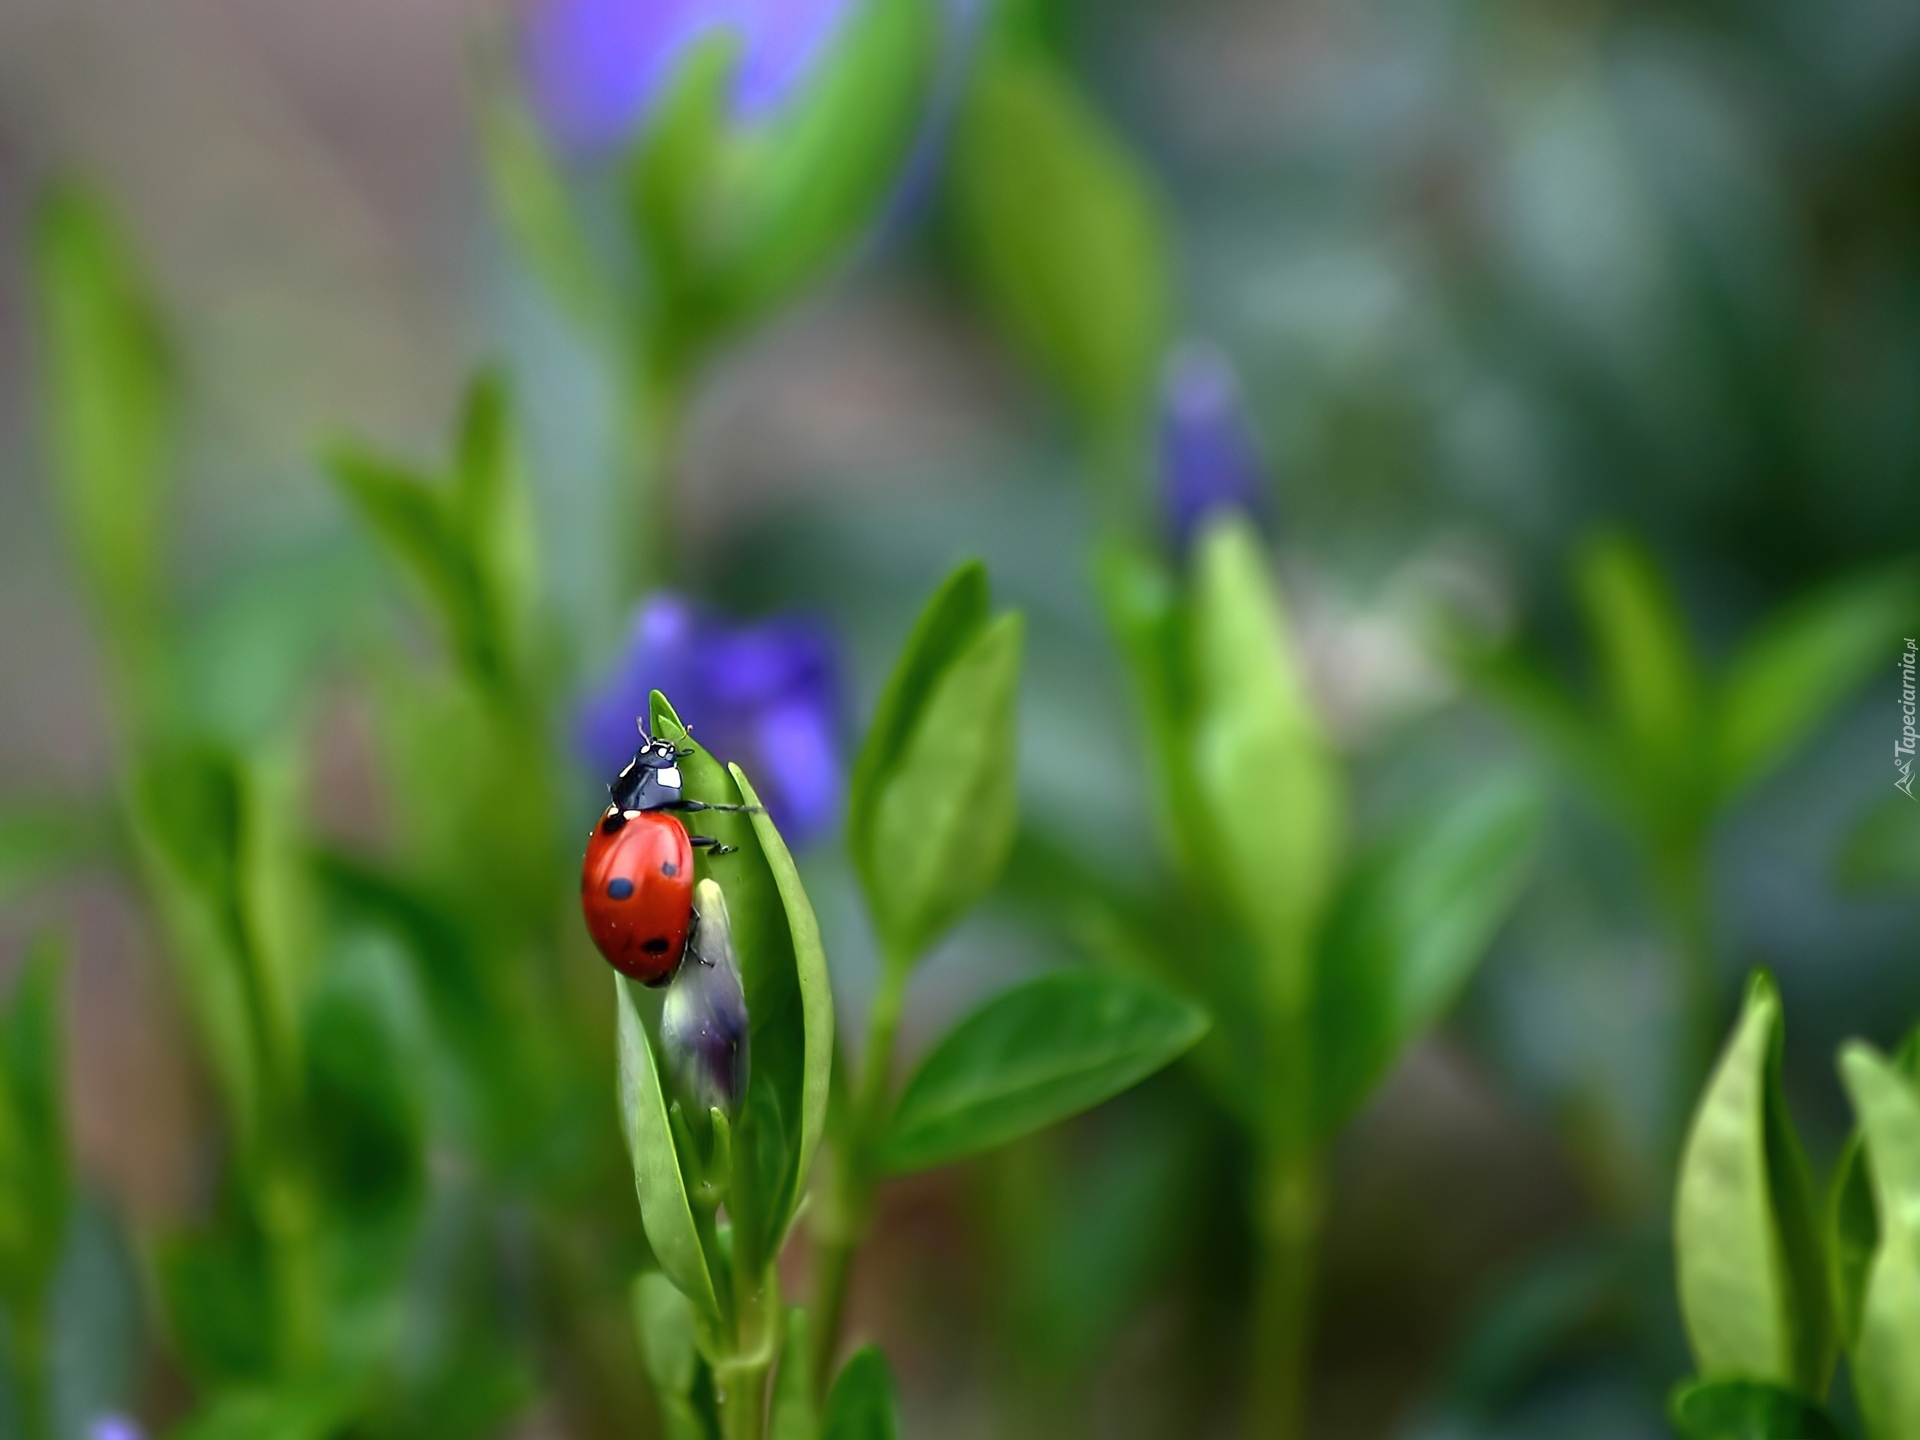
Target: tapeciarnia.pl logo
x=1903, y=747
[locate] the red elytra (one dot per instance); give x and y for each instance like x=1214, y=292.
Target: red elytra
x=636, y=889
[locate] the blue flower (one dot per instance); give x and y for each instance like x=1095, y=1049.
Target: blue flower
x=595, y=67
x=1208, y=459
x=114, y=1427
x=766, y=696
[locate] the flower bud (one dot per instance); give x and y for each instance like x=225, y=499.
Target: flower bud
x=703, y=1025
x=1208, y=460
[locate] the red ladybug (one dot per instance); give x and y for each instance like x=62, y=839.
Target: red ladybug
x=636, y=883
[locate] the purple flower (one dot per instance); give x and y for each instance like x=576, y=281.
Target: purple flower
x=114, y=1427
x=766, y=696
x=703, y=1024
x=596, y=67
x=1208, y=460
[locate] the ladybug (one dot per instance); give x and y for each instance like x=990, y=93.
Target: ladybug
x=636, y=883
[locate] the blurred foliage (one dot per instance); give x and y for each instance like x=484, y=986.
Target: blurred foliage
x=1583, y=344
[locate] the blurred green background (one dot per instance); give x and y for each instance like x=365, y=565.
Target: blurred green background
x=1495, y=277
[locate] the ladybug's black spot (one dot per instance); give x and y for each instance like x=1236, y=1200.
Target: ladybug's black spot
x=658, y=945
x=614, y=821
x=668, y=868
x=619, y=888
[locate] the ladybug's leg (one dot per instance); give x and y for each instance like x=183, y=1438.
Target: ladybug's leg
x=703, y=805
x=708, y=842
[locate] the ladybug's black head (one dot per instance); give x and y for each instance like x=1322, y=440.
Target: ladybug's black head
x=651, y=779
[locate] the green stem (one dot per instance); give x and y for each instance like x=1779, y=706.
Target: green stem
x=1289, y=1210
x=740, y=1382
x=655, y=431
x=1287, y=1205
x=1685, y=893
x=847, y=1212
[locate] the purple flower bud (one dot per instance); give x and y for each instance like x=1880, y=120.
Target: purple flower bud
x=1208, y=460
x=767, y=696
x=703, y=1025
x=596, y=67
x=113, y=1427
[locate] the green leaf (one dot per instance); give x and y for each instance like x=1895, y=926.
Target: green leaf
x=1646, y=665
x=110, y=411
x=1886, y=1356
x=1748, y=1410
x=808, y=185
x=36, y=1182
x=1271, y=786
x=946, y=810
x=1798, y=666
x=530, y=192
x=1062, y=236
x=664, y=1320
x=862, y=1404
x=1411, y=926
x=1045, y=1050
x=1752, y=1278
x=816, y=991
x=668, y=180
x=466, y=544
x=222, y=860
x=657, y=1175
x=795, y=1416
x=490, y=513
x=1853, y=1222
x=767, y=1138
x=365, y=1113
x=957, y=612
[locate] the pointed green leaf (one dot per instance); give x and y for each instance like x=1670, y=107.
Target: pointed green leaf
x=1752, y=1277
x=1853, y=1220
x=1045, y=1050
x=1270, y=783
x=1800, y=664
x=664, y=1320
x=217, y=838
x=767, y=1137
x=110, y=409
x=657, y=1175
x=1886, y=1357
x=1062, y=236
x=955, y=614
x=530, y=192
x=1411, y=926
x=862, y=1404
x=816, y=992
x=806, y=188
x=1647, y=668
x=1747, y=1410
x=945, y=815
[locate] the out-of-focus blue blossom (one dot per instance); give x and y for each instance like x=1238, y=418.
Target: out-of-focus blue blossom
x=766, y=696
x=596, y=67
x=114, y=1427
x=1207, y=456
x=704, y=1022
